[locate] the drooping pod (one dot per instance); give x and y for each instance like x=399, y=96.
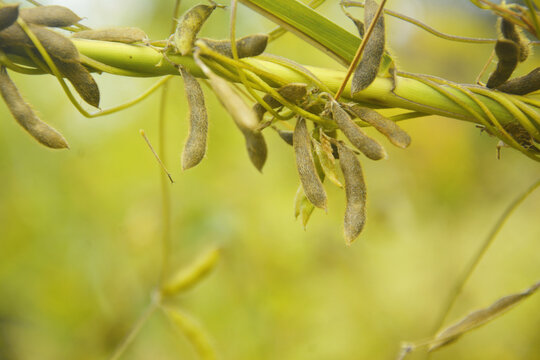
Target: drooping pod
x=195, y=146
x=511, y=32
x=126, y=35
x=244, y=117
x=189, y=26
x=508, y=53
x=311, y=182
x=368, y=146
x=247, y=46
x=522, y=85
x=8, y=15
x=51, y=15
x=366, y=71
x=294, y=92
x=286, y=135
x=81, y=80
x=385, y=126
x=25, y=116
x=355, y=193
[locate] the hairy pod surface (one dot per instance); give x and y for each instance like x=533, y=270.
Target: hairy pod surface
x=8, y=15
x=126, y=35
x=195, y=146
x=355, y=193
x=368, y=68
x=508, y=53
x=81, y=80
x=247, y=46
x=189, y=26
x=368, y=146
x=244, y=117
x=522, y=85
x=25, y=116
x=385, y=126
x=51, y=15
x=311, y=182
x=511, y=32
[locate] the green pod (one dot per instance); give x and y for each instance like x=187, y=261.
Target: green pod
x=522, y=85
x=368, y=146
x=189, y=26
x=368, y=67
x=195, y=147
x=25, y=116
x=511, y=32
x=247, y=46
x=126, y=35
x=355, y=193
x=311, y=182
x=508, y=53
x=81, y=80
x=8, y=15
x=385, y=126
x=52, y=16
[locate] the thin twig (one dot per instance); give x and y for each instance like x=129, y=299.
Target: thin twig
x=143, y=134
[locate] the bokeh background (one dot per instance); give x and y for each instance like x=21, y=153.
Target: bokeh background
x=80, y=230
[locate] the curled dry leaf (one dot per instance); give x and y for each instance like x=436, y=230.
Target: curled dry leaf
x=311, y=182
x=508, y=53
x=247, y=46
x=368, y=146
x=189, y=26
x=355, y=193
x=327, y=161
x=25, y=116
x=368, y=67
x=302, y=206
x=195, y=146
x=243, y=116
x=51, y=15
x=126, y=35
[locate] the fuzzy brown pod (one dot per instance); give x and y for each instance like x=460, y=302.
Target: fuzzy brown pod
x=309, y=177
x=25, y=116
x=126, y=35
x=511, y=32
x=244, y=117
x=81, y=80
x=195, y=147
x=385, y=126
x=522, y=85
x=247, y=46
x=294, y=92
x=189, y=26
x=8, y=15
x=368, y=67
x=508, y=53
x=286, y=135
x=480, y=317
x=355, y=193
x=368, y=146
x=51, y=16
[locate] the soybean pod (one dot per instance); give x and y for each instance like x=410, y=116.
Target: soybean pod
x=52, y=16
x=247, y=46
x=508, y=53
x=189, y=26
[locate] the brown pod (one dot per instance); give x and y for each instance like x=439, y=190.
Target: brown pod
x=368, y=146
x=25, y=116
x=511, y=32
x=8, y=15
x=126, y=35
x=312, y=184
x=286, y=136
x=52, y=16
x=385, y=126
x=508, y=53
x=355, y=193
x=81, y=80
x=195, y=146
x=189, y=26
x=247, y=46
x=522, y=85
x=368, y=68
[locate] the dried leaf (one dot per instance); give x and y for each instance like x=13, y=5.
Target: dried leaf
x=327, y=161
x=25, y=116
x=508, y=53
x=189, y=26
x=126, y=35
x=355, y=192
x=480, y=317
x=302, y=206
x=247, y=46
x=195, y=146
x=367, y=69
x=312, y=184
x=52, y=16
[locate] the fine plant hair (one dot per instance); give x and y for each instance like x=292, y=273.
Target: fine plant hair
x=319, y=116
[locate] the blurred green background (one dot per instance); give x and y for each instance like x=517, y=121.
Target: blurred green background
x=80, y=230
